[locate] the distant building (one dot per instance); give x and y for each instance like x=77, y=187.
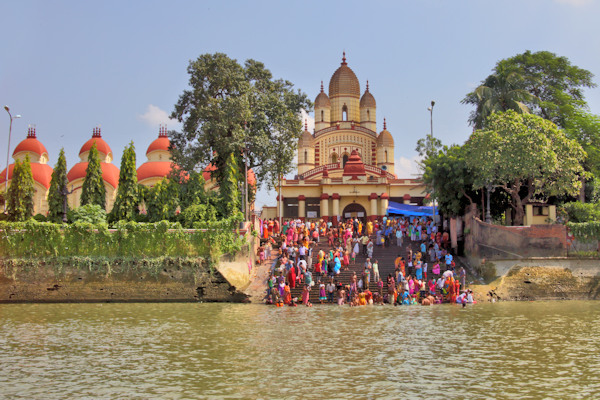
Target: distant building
x=42, y=172
x=110, y=173
x=346, y=169
x=159, y=162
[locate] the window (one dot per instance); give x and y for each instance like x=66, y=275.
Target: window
x=322, y=116
x=368, y=115
x=333, y=158
x=386, y=159
x=345, y=158
x=306, y=156
x=344, y=113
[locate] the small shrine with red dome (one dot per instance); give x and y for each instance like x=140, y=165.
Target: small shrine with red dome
x=110, y=173
x=42, y=172
x=159, y=163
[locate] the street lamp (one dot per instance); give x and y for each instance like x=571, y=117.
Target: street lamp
x=8, y=153
x=430, y=109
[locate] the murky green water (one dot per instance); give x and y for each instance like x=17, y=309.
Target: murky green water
x=190, y=351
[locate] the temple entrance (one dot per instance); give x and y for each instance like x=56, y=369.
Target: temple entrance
x=354, y=210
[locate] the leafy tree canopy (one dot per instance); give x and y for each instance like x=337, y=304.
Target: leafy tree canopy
x=541, y=83
x=230, y=107
x=526, y=156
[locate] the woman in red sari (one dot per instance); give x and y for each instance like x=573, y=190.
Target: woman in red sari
x=291, y=277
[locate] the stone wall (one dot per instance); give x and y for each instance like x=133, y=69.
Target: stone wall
x=488, y=241
x=143, y=280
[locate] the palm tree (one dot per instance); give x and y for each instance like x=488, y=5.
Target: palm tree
x=501, y=91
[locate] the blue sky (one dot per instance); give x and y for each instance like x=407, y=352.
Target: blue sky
x=68, y=66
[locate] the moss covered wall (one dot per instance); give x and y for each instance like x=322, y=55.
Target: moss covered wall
x=117, y=280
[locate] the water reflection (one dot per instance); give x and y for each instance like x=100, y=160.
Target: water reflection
x=181, y=351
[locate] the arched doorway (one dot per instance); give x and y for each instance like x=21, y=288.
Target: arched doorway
x=354, y=210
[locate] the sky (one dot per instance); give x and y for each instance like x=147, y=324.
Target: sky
x=69, y=66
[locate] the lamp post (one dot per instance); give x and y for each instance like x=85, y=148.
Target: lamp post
x=8, y=153
x=431, y=152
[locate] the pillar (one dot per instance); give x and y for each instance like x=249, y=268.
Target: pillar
x=552, y=212
x=373, y=214
x=302, y=208
x=528, y=215
x=385, y=199
x=336, y=208
x=325, y=207
x=279, y=208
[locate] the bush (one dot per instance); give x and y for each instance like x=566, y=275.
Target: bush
x=39, y=217
x=89, y=214
x=580, y=212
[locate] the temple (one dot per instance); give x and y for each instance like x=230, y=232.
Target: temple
x=345, y=168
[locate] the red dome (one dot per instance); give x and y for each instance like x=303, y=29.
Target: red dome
x=154, y=169
x=110, y=173
x=162, y=143
x=101, y=145
x=42, y=174
x=31, y=144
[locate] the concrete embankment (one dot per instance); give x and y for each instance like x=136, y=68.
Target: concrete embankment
x=543, y=279
x=118, y=280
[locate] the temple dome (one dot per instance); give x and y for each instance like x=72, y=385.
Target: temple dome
x=31, y=145
x=161, y=143
x=385, y=138
x=367, y=99
x=322, y=100
x=101, y=145
x=344, y=82
x=110, y=173
x=42, y=174
x=307, y=139
x=154, y=169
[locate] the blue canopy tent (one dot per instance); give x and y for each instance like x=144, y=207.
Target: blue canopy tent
x=410, y=210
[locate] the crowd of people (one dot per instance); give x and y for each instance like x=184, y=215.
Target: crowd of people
x=425, y=276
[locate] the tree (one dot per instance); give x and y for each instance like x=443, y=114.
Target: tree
x=501, y=91
x=231, y=107
x=93, y=190
x=127, y=201
x=58, y=189
x=230, y=197
x=162, y=201
x=526, y=156
x=556, y=85
x=447, y=172
x=541, y=83
x=21, y=192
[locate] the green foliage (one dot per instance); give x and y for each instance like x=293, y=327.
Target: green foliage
x=127, y=201
x=447, y=172
x=162, y=201
x=33, y=239
x=93, y=190
x=40, y=218
x=197, y=213
x=499, y=92
x=88, y=214
x=526, y=156
x=21, y=192
x=230, y=107
x=58, y=189
x=585, y=231
x=541, y=83
x=191, y=190
x=580, y=212
x=229, y=193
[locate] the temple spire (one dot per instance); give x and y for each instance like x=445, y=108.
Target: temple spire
x=344, y=59
x=384, y=125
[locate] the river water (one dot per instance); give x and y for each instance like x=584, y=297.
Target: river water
x=188, y=351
